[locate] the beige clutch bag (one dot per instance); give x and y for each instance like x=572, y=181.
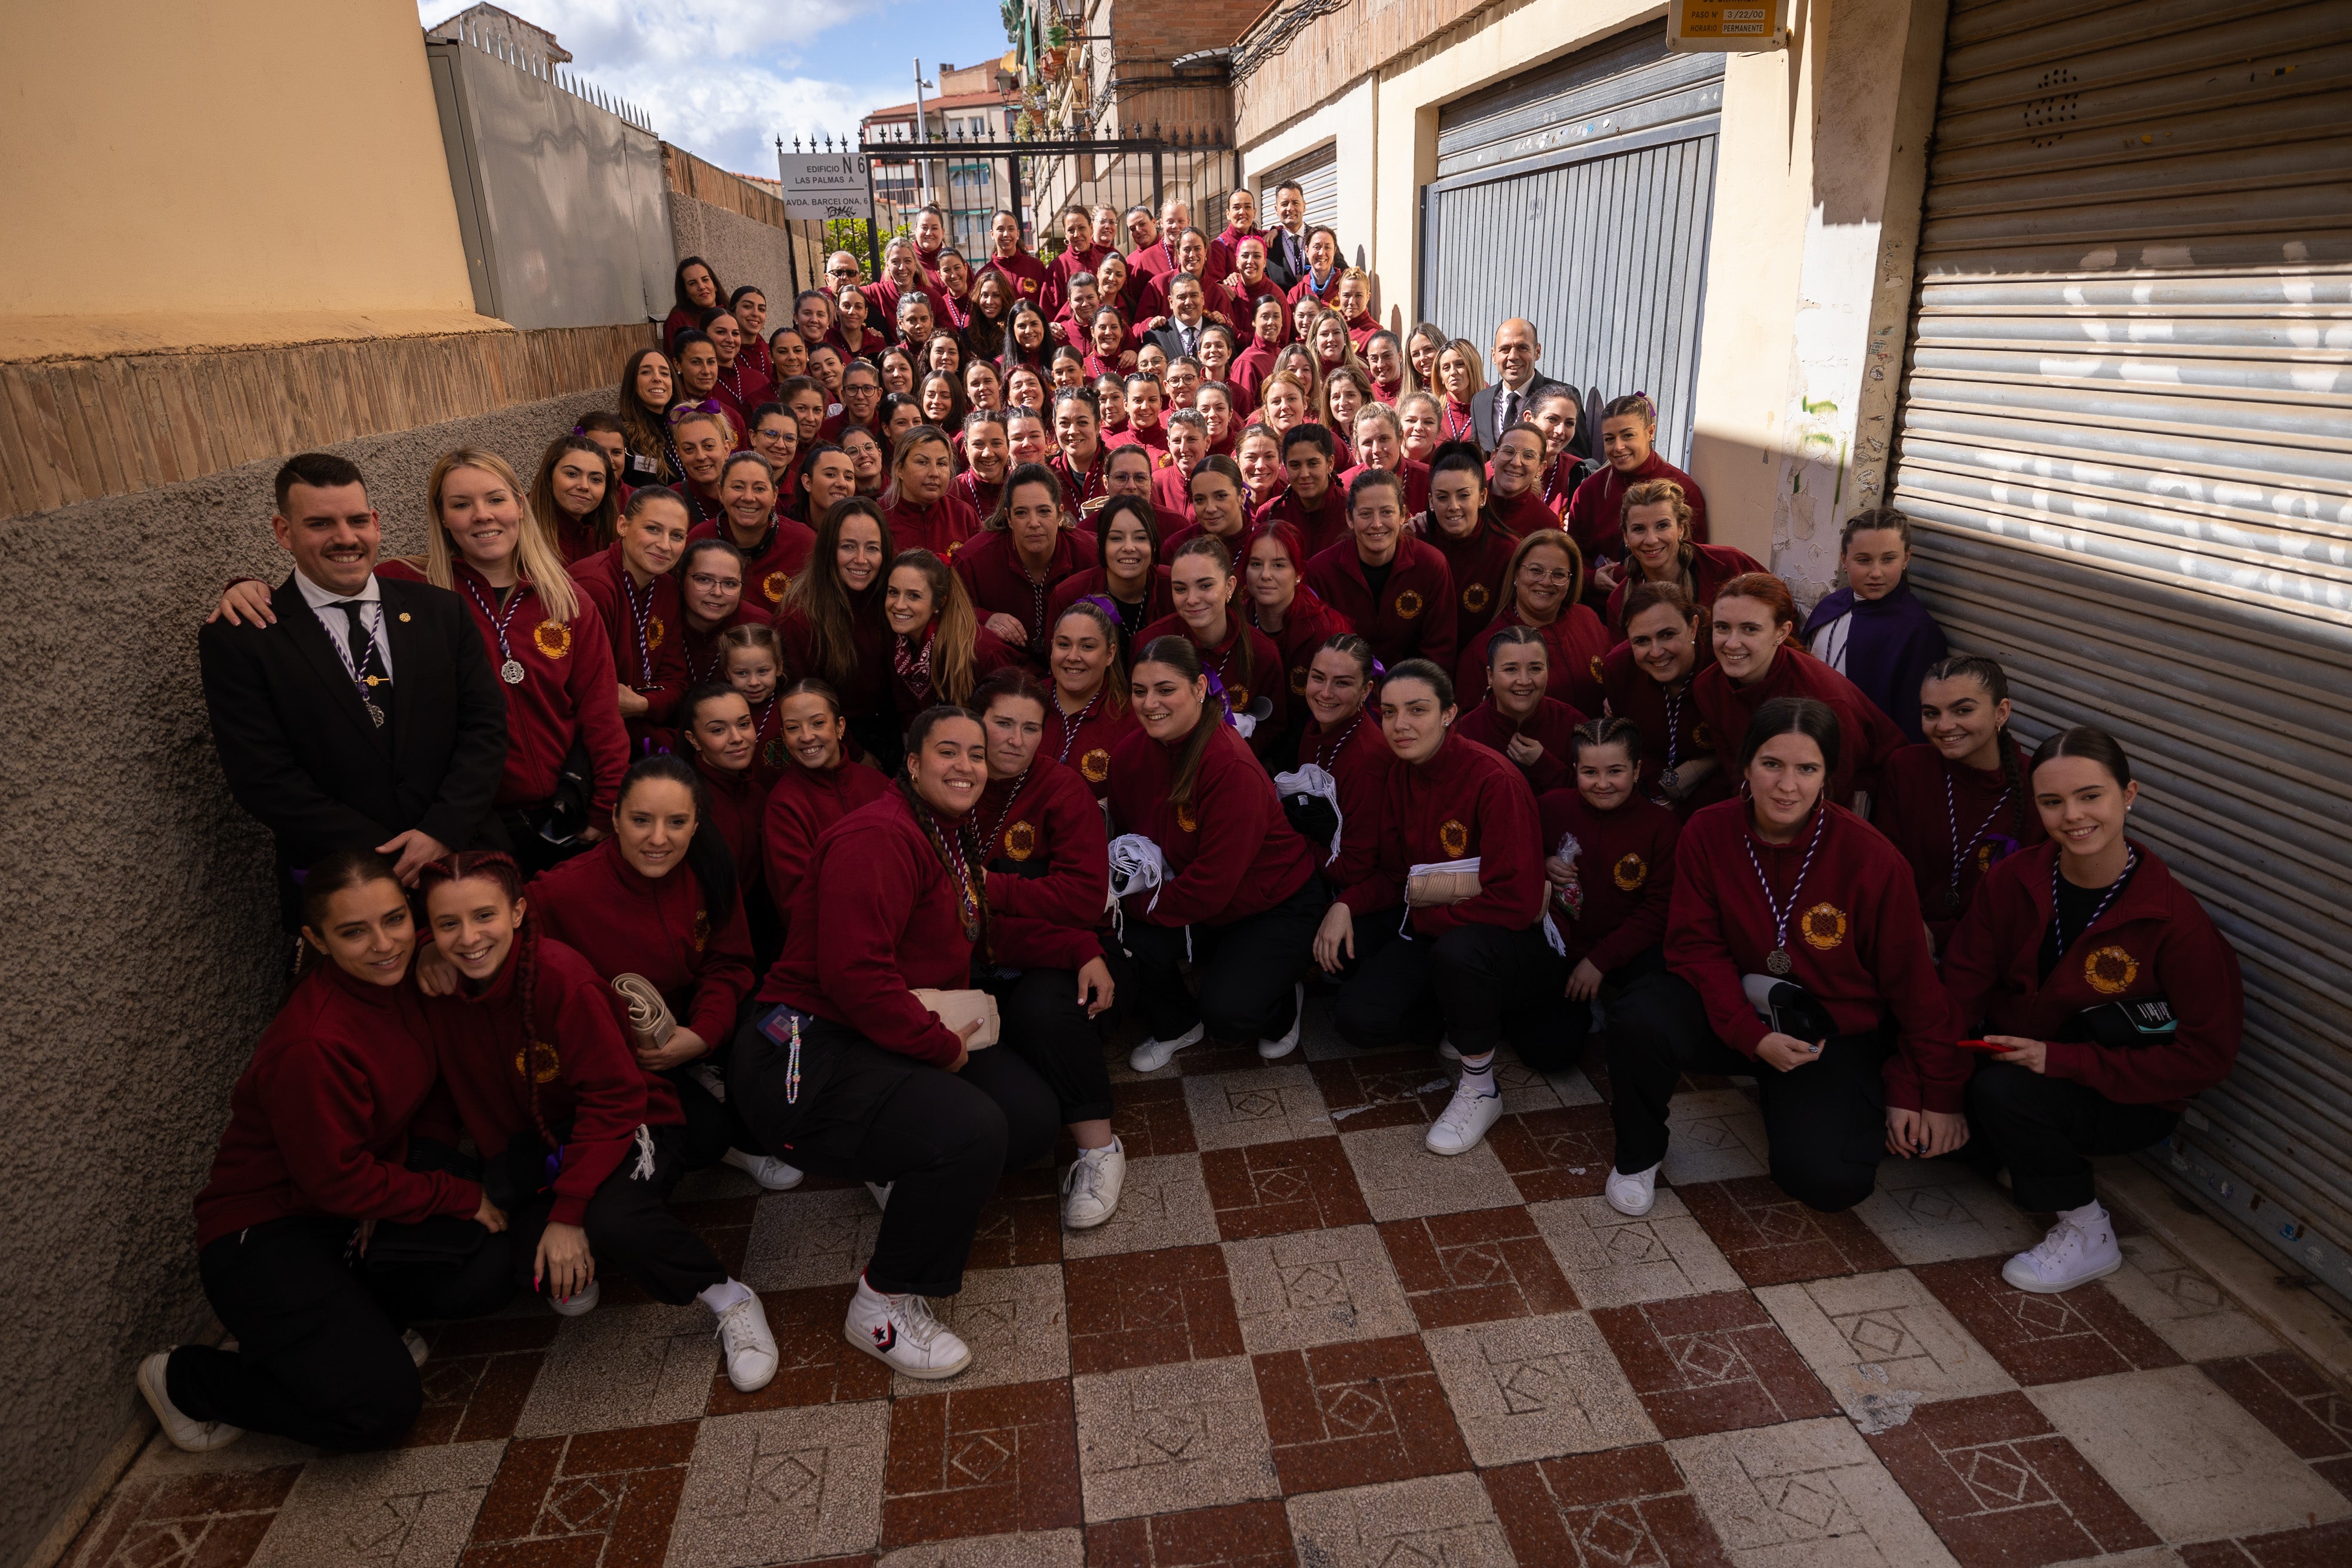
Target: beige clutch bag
x=650, y=1021
x=1439, y=887
x=956, y=1009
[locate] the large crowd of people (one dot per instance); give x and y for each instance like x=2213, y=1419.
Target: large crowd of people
x=907, y=692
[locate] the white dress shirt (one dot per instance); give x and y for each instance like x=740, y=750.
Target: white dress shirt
x=323, y=603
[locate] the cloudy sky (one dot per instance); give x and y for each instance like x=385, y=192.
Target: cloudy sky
x=723, y=79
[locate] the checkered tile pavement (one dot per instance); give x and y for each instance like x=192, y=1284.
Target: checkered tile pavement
x=1303, y=1340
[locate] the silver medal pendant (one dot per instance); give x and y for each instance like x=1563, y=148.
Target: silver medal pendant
x=1779, y=961
x=374, y=712
x=1668, y=778
x=511, y=671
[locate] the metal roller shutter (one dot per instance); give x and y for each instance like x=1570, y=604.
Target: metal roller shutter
x=1317, y=173
x=1596, y=175
x=2127, y=434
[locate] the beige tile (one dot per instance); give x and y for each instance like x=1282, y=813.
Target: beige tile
x=1573, y=1087
x=1315, y=1287
x=1523, y=1088
x=1268, y=1105
x=1882, y=1343
x=802, y=1239
x=1400, y=1179
x=1161, y=1439
x=1033, y=1549
x=1809, y=1494
x=2186, y=1456
x=1530, y=1388
x=1016, y=1323
x=1713, y=1134
x=1617, y=1261
x=623, y=1366
x=2188, y=1310
x=411, y=1508
x=2148, y=1557
x=1931, y=1211
x=783, y=1485
x=1164, y=1204
x=1440, y=1521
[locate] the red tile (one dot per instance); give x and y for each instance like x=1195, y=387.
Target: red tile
x=1266, y=1190
x=2002, y=1488
x=1150, y=1119
x=1352, y=1415
x=1712, y=1364
x=478, y=1378
x=1628, y=1508
x=988, y=1461
x=1773, y=1239
x=2086, y=1332
x=2286, y=1393
x=215, y=1521
x=1216, y=1056
x=1560, y=1152
x=1148, y=1308
x=1391, y=1090
x=1020, y=1224
x=815, y=1365
x=1476, y=1267
x=601, y=1498
x=1245, y=1535
x=2318, y=1546
x=725, y=1223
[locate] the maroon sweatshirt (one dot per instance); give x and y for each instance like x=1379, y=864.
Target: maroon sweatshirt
x=1523, y=514
x=942, y=528
x=801, y=804
x=999, y=583
x=624, y=924
x=1307, y=625
x=1868, y=737
x=1415, y=474
x=989, y=655
x=1258, y=674
x=1087, y=581
x=318, y=1123
x=1047, y=818
x=646, y=628
x=705, y=659
x=1577, y=643
x=739, y=809
x=1480, y=565
x=1969, y=825
x=1231, y=854
x=1413, y=616
x=1596, y=512
x=771, y=563
x=1083, y=741
x=1706, y=569
x=1673, y=730
x=868, y=692
x=1624, y=875
x=1549, y=727
x=1466, y=800
x=1324, y=526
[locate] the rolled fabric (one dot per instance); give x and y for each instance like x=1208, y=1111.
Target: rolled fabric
x=651, y=1023
x=956, y=1009
x=1441, y=882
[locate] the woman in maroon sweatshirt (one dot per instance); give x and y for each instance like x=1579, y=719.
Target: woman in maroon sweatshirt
x=1756, y=660
x=1341, y=738
x=1654, y=526
x=1394, y=588
x=1957, y=803
x=1647, y=679
x=1515, y=495
x=582, y=1147
x=1477, y=549
x=775, y=545
x=637, y=599
x=1796, y=932
x=1629, y=428
x=718, y=735
x=924, y=509
x=833, y=626
x=1473, y=959
x=1021, y=557
x=2112, y=998
x=314, y=1160
x=1087, y=714
x=820, y=782
x=1126, y=580
x=1277, y=602
x=1546, y=581
x=1517, y=719
x=1247, y=670
x=1214, y=871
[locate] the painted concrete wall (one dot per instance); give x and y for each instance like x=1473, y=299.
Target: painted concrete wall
x=1351, y=122
x=741, y=250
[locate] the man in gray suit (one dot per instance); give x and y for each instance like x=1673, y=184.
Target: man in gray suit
x=1510, y=396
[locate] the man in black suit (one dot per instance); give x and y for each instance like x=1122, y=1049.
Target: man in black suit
x=1181, y=334
x=367, y=716
x=1286, y=242
x=1510, y=396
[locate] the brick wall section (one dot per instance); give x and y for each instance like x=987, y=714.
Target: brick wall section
x=1332, y=51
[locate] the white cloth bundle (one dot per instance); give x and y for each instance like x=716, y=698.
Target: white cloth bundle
x=1136, y=863
x=1440, y=882
x=1312, y=779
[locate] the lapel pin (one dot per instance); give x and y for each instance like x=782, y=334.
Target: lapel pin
x=404, y=615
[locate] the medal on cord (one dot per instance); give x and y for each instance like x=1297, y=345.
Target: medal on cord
x=1778, y=960
x=1671, y=773
x=640, y=614
x=1071, y=724
x=2114, y=890
x=360, y=678
x=509, y=667
x=1959, y=850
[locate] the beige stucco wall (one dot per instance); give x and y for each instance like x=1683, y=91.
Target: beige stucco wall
x=1351, y=122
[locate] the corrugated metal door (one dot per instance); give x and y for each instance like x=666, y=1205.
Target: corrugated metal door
x=1579, y=198
x=1317, y=173
x=2127, y=433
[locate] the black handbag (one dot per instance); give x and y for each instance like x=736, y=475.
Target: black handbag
x=1315, y=819
x=2124, y=1026
x=1788, y=1007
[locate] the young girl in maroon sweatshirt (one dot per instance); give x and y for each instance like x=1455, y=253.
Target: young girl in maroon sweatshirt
x=1475, y=956
x=2112, y=998
x=1647, y=679
x=1087, y=713
x=1957, y=803
x=1796, y=931
x=584, y=1148
x=1517, y=718
x=822, y=781
x=1756, y=661
x=313, y=1162
x=636, y=598
x=1213, y=870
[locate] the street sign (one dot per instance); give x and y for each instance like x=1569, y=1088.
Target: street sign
x=1742, y=26
x=824, y=185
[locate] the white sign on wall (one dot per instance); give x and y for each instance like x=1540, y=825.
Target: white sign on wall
x=824, y=185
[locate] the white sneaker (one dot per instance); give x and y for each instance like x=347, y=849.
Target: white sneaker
x=2069, y=1255
x=1154, y=1055
x=184, y=1431
x=766, y=1169
x=1446, y=1049
x=1090, y=1190
x=879, y=1191
x=749, y=1348
x=1465, y=1120
x=418, y=1349
x=1271, y=1049
x=901, y=1333
x=1632, y=1192
x=583, y=1303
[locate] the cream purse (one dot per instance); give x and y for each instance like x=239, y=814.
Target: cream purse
x=956, y=1009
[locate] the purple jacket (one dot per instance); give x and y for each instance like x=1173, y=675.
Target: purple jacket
x=1889, y=646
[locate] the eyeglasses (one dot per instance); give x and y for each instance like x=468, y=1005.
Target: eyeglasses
x=703, y=580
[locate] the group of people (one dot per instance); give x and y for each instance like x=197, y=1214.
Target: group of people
x=824, y=756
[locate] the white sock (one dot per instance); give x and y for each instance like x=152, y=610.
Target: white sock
x=2087, y=1217
x=1478, y=1076
x=725, y=1294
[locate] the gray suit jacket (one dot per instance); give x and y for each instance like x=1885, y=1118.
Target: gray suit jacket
x=1482, y=405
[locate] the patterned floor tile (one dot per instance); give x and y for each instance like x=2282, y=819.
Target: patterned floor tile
x=1015, y=1321
x=1267, y=1105
x=1575, y=1087
x=1399, y=1177
x=2187, y=1309
x=801, y=1238
x=1147, y=1309
x=2314, y=1546
x=1162, y=1439
x=1882, y=1344
x=1604, y=1510
x=1556, y=1153
x=1523, y=1088
x=781, y=1486
x=1026, y=1549
x=725, y=1225
x=1772, y=1239
x=1267, y=1188
x=1150, y=1119
x=1394, y=1088
x=1711, y=1363
x=814, y=1364
x=1476, y=1267
x=992, y=1461
x=1809, y=1492
x=216, y=1518
x=1345, y=1415
x=1020, y=1226
x=408, y=1506
x=2190, y=1460
x=1164, y=1204
x=623, y=1366
x=603, y=1498
x=2084, y=1332
x=1241, y=1535
x=1437, y=1520
x=1534, y=1388
x=479, y=1376
x=1316, y=1287
x=1614, y=1261
x=1715, y=1134
x=2002, y=1488
x=2309, y=1413
x=1930, y=1211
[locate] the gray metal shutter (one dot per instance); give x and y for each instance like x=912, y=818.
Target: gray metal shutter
x=1579, y=195
x=1317, y=175
x=2127, y=435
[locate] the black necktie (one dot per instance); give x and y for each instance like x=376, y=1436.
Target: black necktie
x=1506, y=405
x=375, y=681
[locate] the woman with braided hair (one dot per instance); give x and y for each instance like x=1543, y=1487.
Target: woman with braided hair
x=578, y=1147
x=1957, y=803
x=845, y=1066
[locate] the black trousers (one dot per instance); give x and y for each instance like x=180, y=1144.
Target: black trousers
x=1478, y=982
x=1826, y=1121
x=2045, y=1129
x=630, y=1226
x=319, y=1355
x=944, y=1139
x=713, y=1126
x=1046, y=1026
x=1249, y=970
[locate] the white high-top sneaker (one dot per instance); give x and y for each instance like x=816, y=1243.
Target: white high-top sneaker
x=746, y=1345
x=184, y=1431
x=2072, y=1254
x=1463, y=1123
x=900, y=1331
x=1090, y=1190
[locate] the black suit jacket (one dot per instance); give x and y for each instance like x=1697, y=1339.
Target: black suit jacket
x=301, y=754
x=1482, y=405
x=1278, y=264
x=1170, y=338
